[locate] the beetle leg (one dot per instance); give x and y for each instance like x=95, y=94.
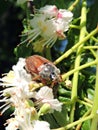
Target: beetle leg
x=37, y=77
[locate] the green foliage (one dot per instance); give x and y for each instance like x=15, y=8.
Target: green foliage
x=86, y=125
x=23, y=50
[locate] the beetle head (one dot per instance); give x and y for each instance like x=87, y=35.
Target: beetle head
x=49, y=72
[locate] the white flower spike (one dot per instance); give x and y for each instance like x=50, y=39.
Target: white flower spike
x=49, y=24
x=16, y=85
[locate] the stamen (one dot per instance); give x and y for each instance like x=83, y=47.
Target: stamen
x=51, y=41
x=4, y=105
x=32, y=36
x=4, y=99
x=6, y=108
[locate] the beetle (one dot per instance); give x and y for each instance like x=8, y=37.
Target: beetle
x=42, y=70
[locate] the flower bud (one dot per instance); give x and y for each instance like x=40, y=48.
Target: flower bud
x=44, y=109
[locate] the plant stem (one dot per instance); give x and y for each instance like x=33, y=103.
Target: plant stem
x=88, y=100
x=96, y=40
x=94, y=125
x=93, y=52
x=84, y=103
x=93, y=38
x=64, y=76
x=79, y=125
x=78, y=58
x=73, y=5
x=75, y=123
x=67, y=53
x=74, y=26
x=90, y=47
x=78, y=121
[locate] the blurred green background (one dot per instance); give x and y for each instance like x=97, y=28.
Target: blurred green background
x=10, y=28
x=11, y=17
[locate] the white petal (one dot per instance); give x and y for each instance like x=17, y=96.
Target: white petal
x=44, y=93
x=41, y=125
x=13, y=124
x=55, y=105
x=49, y=10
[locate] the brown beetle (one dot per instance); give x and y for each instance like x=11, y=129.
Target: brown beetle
x=43, y=70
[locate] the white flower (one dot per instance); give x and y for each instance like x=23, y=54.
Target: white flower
x=49, y=24
x=17, y=82
x=34, y=125
x=65, y=15
x=23, y=120
x=45, y=28
x=14, y=96
x=41, y=125
x=45, y=95
x=22, y=78
x=17, y=77
x=42, y=27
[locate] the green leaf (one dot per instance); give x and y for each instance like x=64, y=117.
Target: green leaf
x=64, y=92
x=86, y=125
x=61, y=117
x=49, y=118
x=23, y=50
x=64, y=99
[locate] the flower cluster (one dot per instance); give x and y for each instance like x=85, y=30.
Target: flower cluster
x=18, y=93
x=49, y=24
